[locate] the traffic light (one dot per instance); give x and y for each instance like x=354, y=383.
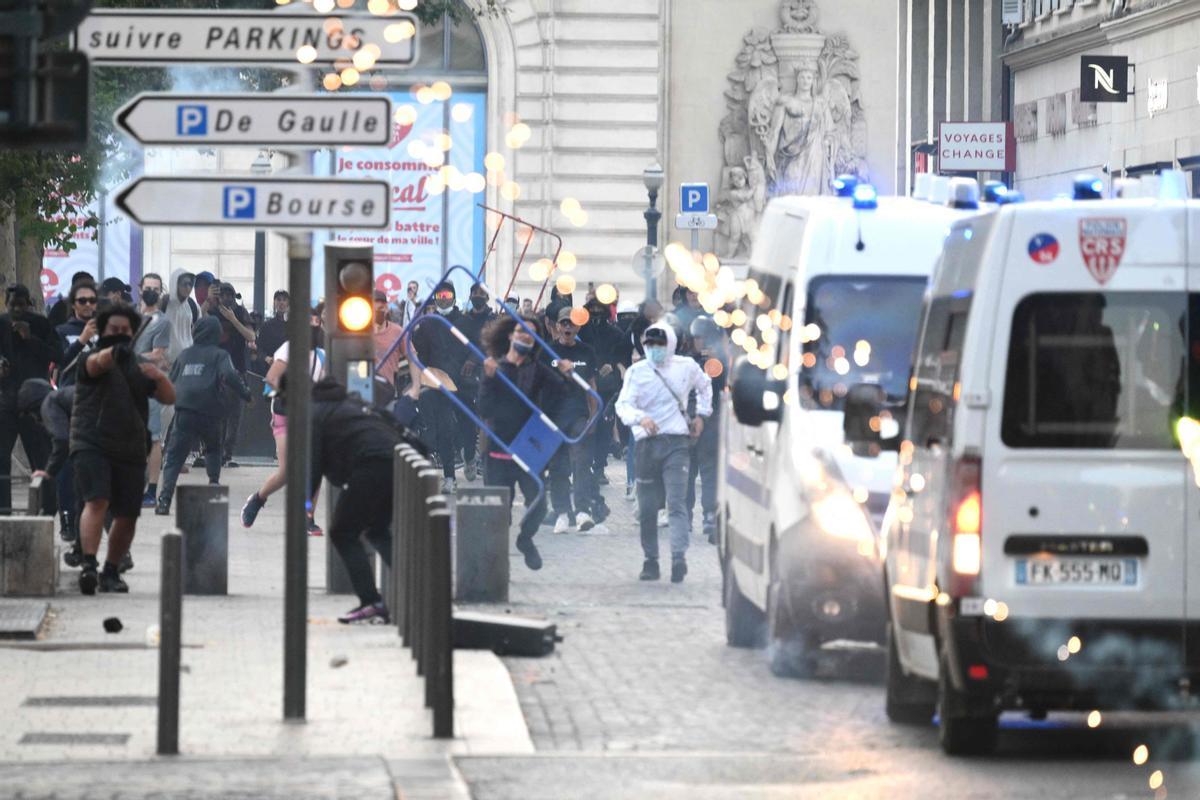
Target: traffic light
x=354, y=274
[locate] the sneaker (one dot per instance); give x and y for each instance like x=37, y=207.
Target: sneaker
x=533, y=559
x=373, y=614
x=73, y=557
x=583, y=521
x=562, y=524
x=649, y=570
x=470, y=470
x=710, y=527
x=126, y=563
x=163, y=508
x=148, y=500
x=663, y=520
x=231, y=464
x=678, y=570
x=449, y=485
x=67, y=531
x=313, y=528
x=250, y=511
x=630, y=491
x=113, y=583
x=89, y=578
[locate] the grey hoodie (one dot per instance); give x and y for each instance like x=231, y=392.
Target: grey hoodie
x=202, y=370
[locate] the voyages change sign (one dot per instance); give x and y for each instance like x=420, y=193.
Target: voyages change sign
x=111, y=36
x=977, y=147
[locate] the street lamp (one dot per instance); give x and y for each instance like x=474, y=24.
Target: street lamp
x=261, y=166
x=652, y=177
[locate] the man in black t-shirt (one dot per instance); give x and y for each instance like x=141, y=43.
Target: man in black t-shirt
x=109, y=442
x=571, y=412
x=236, y=333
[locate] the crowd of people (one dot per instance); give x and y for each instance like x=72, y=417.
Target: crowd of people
x=111, y=399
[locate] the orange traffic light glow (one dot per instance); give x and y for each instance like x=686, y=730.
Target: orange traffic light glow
x=355, y=313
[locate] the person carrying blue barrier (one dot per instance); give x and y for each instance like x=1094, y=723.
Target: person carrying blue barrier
x=513, y=352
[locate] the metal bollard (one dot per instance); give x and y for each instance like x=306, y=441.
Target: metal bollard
x=170, y=625
x=202, y=514
x=428, y=483
x=395, y=573
x=412, y=463
x=439, y=674
x=435, y=503
x=37, y=491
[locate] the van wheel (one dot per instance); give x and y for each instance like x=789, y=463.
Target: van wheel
x=790, y=653
x=743, y=621
x=963, y=731
x=910, y=700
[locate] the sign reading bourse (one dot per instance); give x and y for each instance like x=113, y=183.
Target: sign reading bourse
x=976, y=147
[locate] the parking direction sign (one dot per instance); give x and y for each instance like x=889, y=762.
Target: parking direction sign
x=263, y=203
x=693, y=198
x=258, y=119
x=123, y=36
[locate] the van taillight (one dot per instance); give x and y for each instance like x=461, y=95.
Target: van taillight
x=966, y=550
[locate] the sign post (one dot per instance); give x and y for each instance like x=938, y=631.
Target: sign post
x=257, y=202
x=136, y=37
x=312, y=120
x=694, y=207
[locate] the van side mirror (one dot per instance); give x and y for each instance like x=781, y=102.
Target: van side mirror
x=869, y=425
x=756, y=397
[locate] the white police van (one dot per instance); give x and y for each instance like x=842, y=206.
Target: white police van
x=1043, y=538
x=839, y=283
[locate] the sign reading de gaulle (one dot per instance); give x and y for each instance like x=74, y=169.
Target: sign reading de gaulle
x=115, y=36
x=1104, y=79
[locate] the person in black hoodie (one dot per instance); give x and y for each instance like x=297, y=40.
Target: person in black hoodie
x=199, y=374
x=353, y=447
x=512, y=352
x=28, y=345
x=474, y=320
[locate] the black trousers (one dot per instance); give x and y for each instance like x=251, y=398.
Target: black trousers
x=504, y=472
x=364, y=509
x=440, y=418
x=188, y=428
x=34, y=439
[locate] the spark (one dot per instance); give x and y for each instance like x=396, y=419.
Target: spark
x=475, y=183
x=1094, y=719
x=323, y=6
x=441, y=91
x=405, y=115
x=606, y=293
x=580, y=316
x=565, y=284
x=1156, y=779
x=1063, y=653
x=712, y=368
x=1141, y=754
x=567, y=261
x=462, y=112
x=1074, y=645
x=399, y=31
x=306, y=54
x=779, y=372
x=510, y=190
x=407, y=5
x=332, y=82
x=494, y=162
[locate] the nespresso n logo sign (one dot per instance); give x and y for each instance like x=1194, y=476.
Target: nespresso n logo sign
x=1104, y=79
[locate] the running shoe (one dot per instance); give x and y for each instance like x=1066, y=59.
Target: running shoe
x=562, y=524
x=254, y=504
x=313, y=528
x=163, y=508
x=148, y=500
x=126, y=563
x=663, y=519
x=583, y=521
x=449, y=485
x=678, y=569
x=373, y=614
x=470, y=470
x=113, y=583
x=89, y=578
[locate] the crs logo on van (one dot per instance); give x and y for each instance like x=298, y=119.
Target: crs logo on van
x=1102, y=244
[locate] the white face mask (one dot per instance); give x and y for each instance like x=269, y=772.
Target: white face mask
x=442, y=311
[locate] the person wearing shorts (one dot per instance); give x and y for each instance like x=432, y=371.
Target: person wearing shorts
x=109, y=442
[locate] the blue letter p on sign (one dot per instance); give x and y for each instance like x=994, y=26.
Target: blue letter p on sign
x=239, y=202
x=191, y=120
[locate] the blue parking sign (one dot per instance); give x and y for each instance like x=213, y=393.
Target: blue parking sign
x=191, y=120
x=693, y=198
x=239, y=202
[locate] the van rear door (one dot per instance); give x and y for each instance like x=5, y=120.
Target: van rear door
x=1082, y=482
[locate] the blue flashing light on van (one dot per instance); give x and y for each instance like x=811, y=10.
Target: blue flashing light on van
x=844, y=185
x=1088, y=187
x=865, y=197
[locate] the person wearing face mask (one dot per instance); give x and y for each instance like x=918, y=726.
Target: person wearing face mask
x=571, y=468
x=151, y=344
x=109, y=436
x=273, y=332
x=603, y=337
x=438, y=348
x=512, y=351
x=474, y=320
x=385, y=333
x=653, y=403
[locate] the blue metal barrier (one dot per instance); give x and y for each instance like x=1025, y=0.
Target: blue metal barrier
x=540, y=438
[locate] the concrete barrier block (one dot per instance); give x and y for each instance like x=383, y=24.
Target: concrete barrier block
x=202, y=514
x=28, y=562
x=482, y=519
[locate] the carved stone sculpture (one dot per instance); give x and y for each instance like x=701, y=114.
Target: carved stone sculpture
x=794, y=121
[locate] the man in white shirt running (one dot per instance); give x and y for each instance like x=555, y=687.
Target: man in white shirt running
x=653, y=404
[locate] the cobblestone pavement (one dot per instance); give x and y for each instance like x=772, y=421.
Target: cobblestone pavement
x=644, y=699
x=364, y=699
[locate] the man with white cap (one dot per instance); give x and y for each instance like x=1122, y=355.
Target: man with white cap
x=654, y=404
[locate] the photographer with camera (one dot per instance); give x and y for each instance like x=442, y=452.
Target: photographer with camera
x=28, y=346
x=237, y=334
x=109, y=442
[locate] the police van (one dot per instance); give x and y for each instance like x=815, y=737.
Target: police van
x=835, y=289
x=1042, y=538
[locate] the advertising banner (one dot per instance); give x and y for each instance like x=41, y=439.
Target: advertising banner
x=431, y=230
x=976, y=147
x=113, y=235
